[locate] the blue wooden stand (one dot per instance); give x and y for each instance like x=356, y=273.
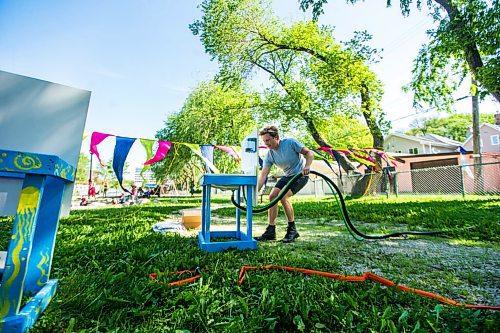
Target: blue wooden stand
x=29, y=255
x=244, y=240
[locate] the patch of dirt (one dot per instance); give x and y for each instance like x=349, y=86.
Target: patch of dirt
x=467, y=273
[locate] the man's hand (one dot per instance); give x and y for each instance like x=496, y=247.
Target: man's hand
x=308, y=154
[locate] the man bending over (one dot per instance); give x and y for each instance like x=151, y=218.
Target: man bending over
x=288, y=155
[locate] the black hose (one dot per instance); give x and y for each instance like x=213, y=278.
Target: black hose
x=275, y=201
x=344, y=210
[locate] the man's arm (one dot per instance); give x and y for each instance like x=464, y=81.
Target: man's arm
x=309, y=156
x=262, y=177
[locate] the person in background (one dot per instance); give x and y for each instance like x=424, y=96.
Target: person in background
x=157, y=190
x=134, y=193
x=292, y=157
x=91, y=192
x=105, y=189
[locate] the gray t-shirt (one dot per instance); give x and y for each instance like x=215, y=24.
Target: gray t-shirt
x=287, y=157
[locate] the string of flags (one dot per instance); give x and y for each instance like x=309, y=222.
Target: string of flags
x=206, y=153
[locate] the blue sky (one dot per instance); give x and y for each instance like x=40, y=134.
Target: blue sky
x=140, y=59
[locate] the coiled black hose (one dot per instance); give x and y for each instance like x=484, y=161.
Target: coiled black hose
x=343, y=207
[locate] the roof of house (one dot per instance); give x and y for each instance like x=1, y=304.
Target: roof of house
x=444, y=142
x=442, y=139
x=495, y=127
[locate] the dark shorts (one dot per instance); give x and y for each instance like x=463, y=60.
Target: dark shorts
x=299, y=184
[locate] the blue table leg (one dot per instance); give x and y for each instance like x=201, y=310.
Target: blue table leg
x=203, y=211
x=207, y=214
x=238, y=214
x=249, y=211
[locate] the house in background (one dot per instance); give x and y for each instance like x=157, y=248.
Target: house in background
x=490, y=139
x=399, y=143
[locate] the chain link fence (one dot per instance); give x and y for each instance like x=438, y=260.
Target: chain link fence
x=476, y=179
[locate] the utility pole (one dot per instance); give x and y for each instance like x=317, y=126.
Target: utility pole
x=90, y=169
x=476, y=140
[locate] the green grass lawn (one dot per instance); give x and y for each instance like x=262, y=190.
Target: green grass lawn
x=103, y=258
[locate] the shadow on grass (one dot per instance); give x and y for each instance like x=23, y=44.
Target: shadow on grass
x=467, y=219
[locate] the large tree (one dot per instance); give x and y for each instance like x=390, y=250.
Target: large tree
x=466, y=41
x=345, y=131
x=312, y=76
x=210, y=115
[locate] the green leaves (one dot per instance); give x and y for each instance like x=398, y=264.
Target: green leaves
x=297, y=320
x=310, y=75
x=453, y=127
x=211, y=114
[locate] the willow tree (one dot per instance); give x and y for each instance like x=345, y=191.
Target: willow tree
x=210, y=115
x=311, y=75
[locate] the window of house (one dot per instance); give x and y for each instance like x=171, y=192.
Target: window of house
x=398, y=151
x=414, y=151
x=494, y=140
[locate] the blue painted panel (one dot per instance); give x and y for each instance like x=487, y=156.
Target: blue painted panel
x=224, y=233
x=214, y=179
x=20, y=245
x=14, y=324
x=37, y=304
x=19, y=162
x=238, y=245
x=11, y=175
x=45, y=235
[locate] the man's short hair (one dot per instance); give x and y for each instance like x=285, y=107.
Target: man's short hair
x=269, y=129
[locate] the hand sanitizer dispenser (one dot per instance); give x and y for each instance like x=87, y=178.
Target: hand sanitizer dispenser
x=249, y=155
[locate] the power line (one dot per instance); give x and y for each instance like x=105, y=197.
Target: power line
x=426, y=110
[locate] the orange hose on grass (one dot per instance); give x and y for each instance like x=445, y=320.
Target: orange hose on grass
x=154, y=276
x=366, y=276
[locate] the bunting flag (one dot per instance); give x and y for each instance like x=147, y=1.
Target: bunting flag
x=335, y=155
x=196, y=150
x=366, y=159
x=366, y=154
x=96, y=139
x=231, y=151
x=122, y=149
x=320, y=154
x=386, y=157
x=207, y=151
x=345, y=152
x=148, y=147
x=161, y=152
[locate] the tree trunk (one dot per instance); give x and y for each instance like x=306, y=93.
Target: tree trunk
x=371, y=121
x=363, y=185
x=344, y=162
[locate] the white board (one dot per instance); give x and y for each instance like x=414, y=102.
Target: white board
x=40, y=117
